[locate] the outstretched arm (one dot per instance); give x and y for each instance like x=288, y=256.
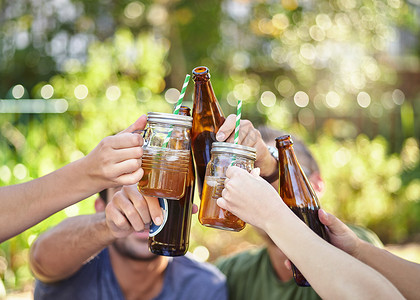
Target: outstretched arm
x=331, y=272
x=405, y=275
x=116, y=160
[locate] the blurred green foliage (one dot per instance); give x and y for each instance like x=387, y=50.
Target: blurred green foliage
x=343, y=75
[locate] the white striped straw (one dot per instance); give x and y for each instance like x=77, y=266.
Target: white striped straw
x=177, y=107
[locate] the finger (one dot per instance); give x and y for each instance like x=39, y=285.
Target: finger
x=139, y=124
x=256, y=172
x=117, y=219
x=221, y=203
x=247, y=134
x=323, y=217
x=154, y=209
x=226, y=129
x=232, y=170
x=194, y=209
x=127, y=167
x=129, y=153
x=127, y=179
x=140, y=204
x=128, y=204
x=125, y=140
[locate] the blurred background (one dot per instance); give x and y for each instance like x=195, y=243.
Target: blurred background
x=344, y=75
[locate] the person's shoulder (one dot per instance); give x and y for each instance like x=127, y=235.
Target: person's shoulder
x=242, y=261
x=189, y=264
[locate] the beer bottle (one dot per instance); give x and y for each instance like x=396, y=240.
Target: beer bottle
x=207, y=119
x=298, y=194
x=172, y=237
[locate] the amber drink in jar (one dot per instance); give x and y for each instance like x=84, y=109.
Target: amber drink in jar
x=166, y=155
x=223, y=155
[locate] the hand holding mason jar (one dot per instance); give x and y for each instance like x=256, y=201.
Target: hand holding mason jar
x=223, y=155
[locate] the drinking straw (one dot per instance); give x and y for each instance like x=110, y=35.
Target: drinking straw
x=237, y=125
x=238, y=121
x=177, y=107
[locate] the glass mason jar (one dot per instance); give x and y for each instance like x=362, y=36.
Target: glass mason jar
x=223, y=155
x=166, y=155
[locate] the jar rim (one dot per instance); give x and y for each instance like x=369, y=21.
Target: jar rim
x=224, y=147
x=165, y=118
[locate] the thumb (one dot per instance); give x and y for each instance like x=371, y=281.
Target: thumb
x=154, y=209
x=138, y=125
x=256, y=172
x=226, y=129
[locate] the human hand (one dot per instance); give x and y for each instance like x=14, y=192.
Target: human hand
x=340, y=235
x=116, y=160
x=251, y=137
x=248, y=196
x=130, y=211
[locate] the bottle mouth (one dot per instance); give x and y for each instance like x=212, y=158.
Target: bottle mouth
x=202, y=72
x=284, y=140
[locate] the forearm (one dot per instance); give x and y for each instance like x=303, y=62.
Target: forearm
x=331, y=272
x=24, y=205
x=405, y=275
x=61, y=251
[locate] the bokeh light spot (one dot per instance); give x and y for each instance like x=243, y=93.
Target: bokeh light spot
x=268, y=98
x=113, y=93
x=332, y=99
x=18, y=91
x=398, y=97
x=47, y=91
x=172, y=95
x=5, y=174
x=81, y=91
x=363, y=99
x=201, y=253
x=134, y=10
x=20, y=171
x=301, y=99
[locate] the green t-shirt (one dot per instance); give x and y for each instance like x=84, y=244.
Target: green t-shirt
x=250, y=274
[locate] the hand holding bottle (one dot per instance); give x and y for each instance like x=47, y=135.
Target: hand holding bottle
x=130, y=211
x=340, y=235
x=249, y=136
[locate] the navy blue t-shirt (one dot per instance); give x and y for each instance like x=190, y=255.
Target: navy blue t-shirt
x=184, y=278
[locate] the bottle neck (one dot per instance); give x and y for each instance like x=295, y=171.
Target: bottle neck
x=295, y=189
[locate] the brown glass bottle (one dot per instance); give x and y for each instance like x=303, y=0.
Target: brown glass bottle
x=172, y=237
x=207, y=119
x=298, y=194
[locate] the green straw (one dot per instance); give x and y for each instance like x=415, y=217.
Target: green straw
x=177, y=107
x=237, y=125
x=238, y=121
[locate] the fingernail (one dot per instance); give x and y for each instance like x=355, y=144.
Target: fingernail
x=220, y=136
x=158, y=221
x=325, y=215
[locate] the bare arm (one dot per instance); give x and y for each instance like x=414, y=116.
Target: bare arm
x=61, y=251
x=405, y=275
x=115, y=161
x=331, y=272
